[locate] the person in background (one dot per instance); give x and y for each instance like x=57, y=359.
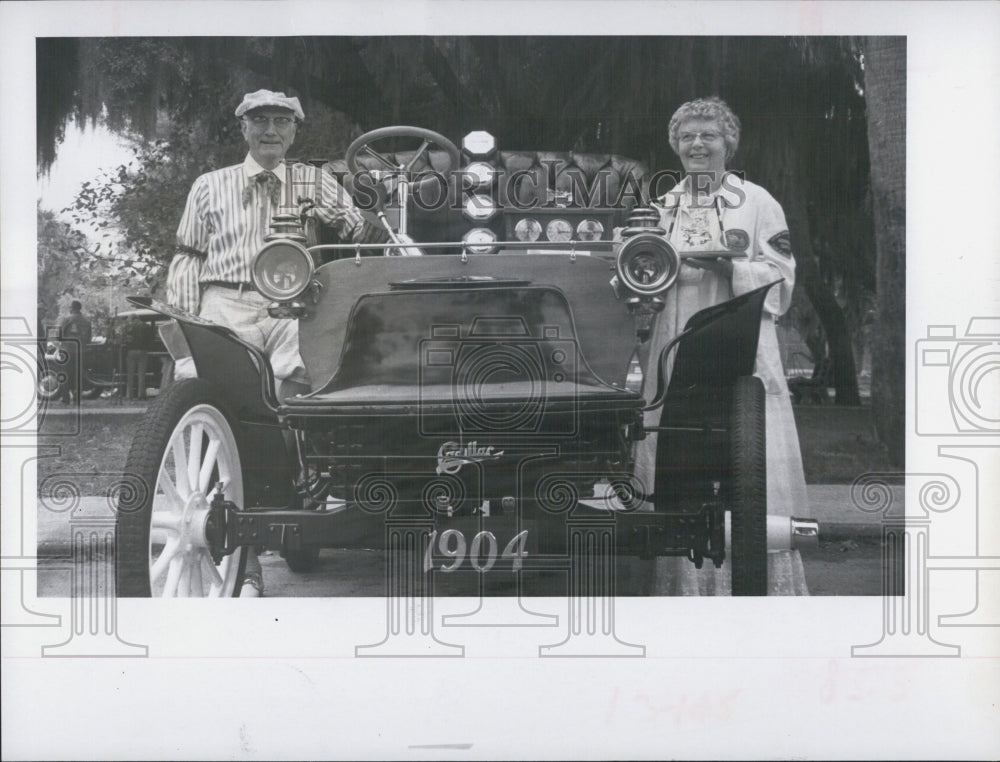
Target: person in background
x=75, y=334
x=712, y=210
x=137, y=339
x=40, y=326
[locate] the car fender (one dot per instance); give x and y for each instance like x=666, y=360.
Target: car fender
x=246, y=379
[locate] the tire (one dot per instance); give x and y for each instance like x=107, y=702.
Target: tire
x=157, y=553
x=303, y=560
x=748, y=488
x=49, y=385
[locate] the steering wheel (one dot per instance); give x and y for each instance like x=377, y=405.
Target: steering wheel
x=363, y=146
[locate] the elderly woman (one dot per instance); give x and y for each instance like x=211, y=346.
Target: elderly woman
x=712, y=210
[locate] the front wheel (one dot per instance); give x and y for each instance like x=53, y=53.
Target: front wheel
x=186, y=446
x=748, y=488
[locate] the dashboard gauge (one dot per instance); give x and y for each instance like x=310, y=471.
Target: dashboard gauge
x=529, y=229
x=589, y=230
x=481, y=173
x=480, y=207
x=559, y=230
x=479, y=143
x=480, y=241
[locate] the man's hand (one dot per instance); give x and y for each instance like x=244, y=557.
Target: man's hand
x=307, y=208
x=720, y=265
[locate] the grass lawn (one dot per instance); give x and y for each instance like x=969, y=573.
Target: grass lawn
x=88, y=451
x=838, y=443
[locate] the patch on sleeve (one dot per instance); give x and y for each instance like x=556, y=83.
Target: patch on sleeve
x=782, y=244
x=737, y=240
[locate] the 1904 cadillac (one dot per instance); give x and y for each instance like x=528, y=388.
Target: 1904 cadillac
x=479, y=398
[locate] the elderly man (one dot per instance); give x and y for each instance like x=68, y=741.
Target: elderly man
x=227, y=215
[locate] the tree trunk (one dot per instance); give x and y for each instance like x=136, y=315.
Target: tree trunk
x=885, y=91
x=831, y=316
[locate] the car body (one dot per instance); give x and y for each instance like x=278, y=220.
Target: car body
x=481, y=409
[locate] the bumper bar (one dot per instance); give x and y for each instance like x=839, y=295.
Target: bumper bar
x=645, y=534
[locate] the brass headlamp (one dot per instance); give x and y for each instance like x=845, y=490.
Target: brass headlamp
x=647, y=266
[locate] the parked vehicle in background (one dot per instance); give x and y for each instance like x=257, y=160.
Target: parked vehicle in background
x=104, y=358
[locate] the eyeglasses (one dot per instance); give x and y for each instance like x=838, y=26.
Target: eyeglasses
x=706, y=137
x=281, y=122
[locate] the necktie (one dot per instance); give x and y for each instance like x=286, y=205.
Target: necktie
x=270, y=194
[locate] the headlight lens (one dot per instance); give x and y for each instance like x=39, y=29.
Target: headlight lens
x=528, y=230
x=589, y=230
x=477, y=237
x=559, y=230
x=282, y=270
x=647, y=264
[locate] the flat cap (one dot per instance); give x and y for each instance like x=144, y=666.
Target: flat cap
x=265, y=98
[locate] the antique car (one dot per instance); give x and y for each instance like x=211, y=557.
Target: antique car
x=476, y=396
x=103, y=370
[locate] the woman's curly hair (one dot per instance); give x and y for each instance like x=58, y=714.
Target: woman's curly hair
x=707, y=108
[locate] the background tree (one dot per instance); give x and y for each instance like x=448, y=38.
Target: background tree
x=62, y=254
x=71, y=266
x=885, y=85
x=802, y=102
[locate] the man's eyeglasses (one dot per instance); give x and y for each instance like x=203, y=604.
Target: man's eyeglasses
x=706, y=137
x=281, y=122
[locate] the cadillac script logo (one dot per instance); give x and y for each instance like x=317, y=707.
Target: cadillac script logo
x=452, y=456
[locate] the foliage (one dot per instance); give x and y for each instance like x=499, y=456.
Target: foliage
x=801, y=100
x=180, y=95
x=144, y=199
x=63, y=254
x=71, y=266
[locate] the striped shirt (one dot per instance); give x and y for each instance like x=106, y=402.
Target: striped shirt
x=228, y=213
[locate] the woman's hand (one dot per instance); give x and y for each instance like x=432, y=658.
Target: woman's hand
x=720, y=265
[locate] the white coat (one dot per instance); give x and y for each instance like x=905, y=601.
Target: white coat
x=746, y=216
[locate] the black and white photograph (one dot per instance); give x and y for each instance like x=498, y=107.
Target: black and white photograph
x=624, y=368
x=481, y=342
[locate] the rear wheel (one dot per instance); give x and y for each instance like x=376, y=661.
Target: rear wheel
x=185, y=447
x=49, y=384
x=748, y=488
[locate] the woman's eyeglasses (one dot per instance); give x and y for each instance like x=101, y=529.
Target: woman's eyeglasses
x=706, y=137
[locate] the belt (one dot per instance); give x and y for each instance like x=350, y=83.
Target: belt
x=241, y=287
